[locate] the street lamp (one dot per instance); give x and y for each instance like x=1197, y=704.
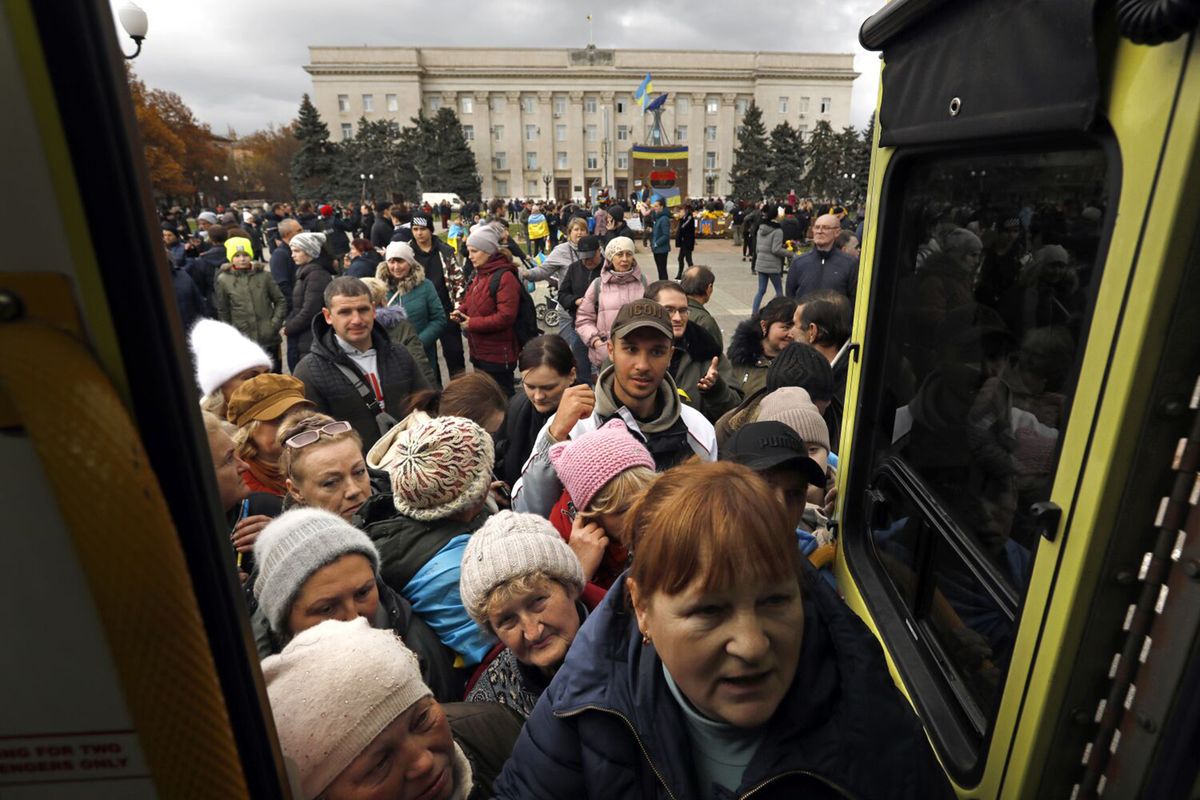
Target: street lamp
x=364, y=177
x=547, y=178
x=135, y=23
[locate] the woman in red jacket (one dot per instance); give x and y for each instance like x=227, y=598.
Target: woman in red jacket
x=488, y=314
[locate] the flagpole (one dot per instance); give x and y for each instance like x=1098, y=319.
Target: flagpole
x=591, y=32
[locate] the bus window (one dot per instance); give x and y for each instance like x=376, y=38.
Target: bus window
x=979, y=315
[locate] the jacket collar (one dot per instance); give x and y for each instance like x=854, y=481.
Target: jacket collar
x=325, y=344
x=607, y=405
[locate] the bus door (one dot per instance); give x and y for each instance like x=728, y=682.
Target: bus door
x=1031, y=167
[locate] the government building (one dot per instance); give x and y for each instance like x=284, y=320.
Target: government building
x=560, y=122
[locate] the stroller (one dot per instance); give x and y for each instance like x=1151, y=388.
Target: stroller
x=548, y=311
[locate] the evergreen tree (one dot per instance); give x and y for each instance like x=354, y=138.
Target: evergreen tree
x=456, y=160
x=751, y=171
x=824, y=162
x=847, y=176
x=313, y=163
x=862, y=157
x=787, y=160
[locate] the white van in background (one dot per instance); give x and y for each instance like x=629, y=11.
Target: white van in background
x=435, y=199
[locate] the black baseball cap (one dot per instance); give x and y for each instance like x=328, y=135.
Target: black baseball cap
x=588, y=246
x=766, y=445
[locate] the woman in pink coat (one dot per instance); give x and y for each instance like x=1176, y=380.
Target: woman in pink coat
x=620, y=282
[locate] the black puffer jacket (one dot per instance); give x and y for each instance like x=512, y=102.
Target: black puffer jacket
x=746, y=355
x=333, y=394
x=308, y=298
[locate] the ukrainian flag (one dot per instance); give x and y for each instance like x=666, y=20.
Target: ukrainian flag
x=644, y=91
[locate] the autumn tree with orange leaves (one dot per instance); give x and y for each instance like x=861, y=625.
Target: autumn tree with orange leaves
x=180, y=151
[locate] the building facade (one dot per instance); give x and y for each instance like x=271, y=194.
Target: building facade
x=558, y=122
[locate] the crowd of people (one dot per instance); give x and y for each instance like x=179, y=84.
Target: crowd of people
x=466, y=585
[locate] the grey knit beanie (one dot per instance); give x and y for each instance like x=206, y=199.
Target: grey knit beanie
x=309, y=243
x=508, y=546
x=333, y=689
x=484, y=238
x=292, y=547
x=791, y=406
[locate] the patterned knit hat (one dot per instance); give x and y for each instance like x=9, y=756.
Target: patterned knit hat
x=308, y=243
x=440, y=467
x=791, y=406
x=801, y=365
x=333, y=689
x=586, y=464
x=508, y=546
x=292, y=547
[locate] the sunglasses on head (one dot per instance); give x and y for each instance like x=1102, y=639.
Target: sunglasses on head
x=305, y=438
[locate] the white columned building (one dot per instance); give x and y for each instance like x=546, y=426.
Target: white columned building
x=530, y=113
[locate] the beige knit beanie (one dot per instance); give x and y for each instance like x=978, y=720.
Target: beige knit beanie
x=791, y=406
x=333, y=689
x=440, y=467
x=508, y=546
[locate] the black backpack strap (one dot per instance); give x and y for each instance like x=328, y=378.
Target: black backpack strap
x=384, y=420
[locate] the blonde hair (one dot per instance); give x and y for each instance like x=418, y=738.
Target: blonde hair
x=576, y=222
x=243, y=440
x=619, y=493
x=214, y=424
x=378, y=290
x=503, y=593
x=290, y=457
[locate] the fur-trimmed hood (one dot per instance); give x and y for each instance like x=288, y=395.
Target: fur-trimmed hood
x=745, y=347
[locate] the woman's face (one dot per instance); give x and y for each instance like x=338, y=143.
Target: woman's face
x=776, y=336
x=577, y=233
x=538, y=626
x=332, y=476
x=343, y=589
x=478, y=257
x=622, y=261
x=399, y=268
x=300, y=257
x=733, y=653
x=544, y=387
x=230, y=386
x=410, y=759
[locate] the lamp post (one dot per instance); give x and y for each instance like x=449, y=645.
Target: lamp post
x=135, y=23
x=547, y=178
x=364, y=177
x=217, y=191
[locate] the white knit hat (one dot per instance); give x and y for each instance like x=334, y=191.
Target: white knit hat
x=508, y=546
x=440, y=467
x=292, y=547
x=618, y=244
x=310, y=243
x=219, y=352
x=333, y=689
x=400, y=250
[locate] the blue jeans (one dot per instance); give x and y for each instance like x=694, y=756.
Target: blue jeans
x=583, y=365
x=762, y=289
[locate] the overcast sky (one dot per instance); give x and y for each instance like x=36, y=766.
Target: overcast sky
x=241, y=64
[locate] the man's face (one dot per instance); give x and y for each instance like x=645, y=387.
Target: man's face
x=169, y=238
x=851, y=247
x=640, y=360
x=676, y=306
x=594, y=260
x=825, y=231
x=352, y=319
x=422, y=236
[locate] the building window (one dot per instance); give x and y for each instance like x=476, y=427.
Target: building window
x=710, y=133
x=347, y=131
x=710, y=160
x=620, y=106
x=560, y=133
x=469, y=132
x=500, y=160
x=467, y=104
x=590, y=132
x=368, y=103
x=435, y=103
x=741, y=105
x=803, y=132
x=711, y=105
x=531, y=188
x=803, y=105
x=392, y=103
x=394, y=128
x=501, y=187
x=826, y=104
x=529, y=104
x=589, y=105
x=622, y=133
x=783, y=103
x=622, y=160
x=498, y=133
x=343, y=102
x=560, y=106
x=681, y=133
x=498, y=103
x=530, y=160
x=531, y=133
x=683, y=105
x=560, y=160
x=593, y=161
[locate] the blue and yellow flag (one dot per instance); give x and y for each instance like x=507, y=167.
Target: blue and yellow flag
x=644, y=90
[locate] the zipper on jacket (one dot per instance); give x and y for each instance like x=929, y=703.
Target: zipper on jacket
x=754, y=790
x=636, y=738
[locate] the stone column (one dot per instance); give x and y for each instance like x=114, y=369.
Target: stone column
x=697, y=145
x=726, y=137
x=576, y=146
x=483, y=142
x=545, y=142
x=512, y=144
x=608, y=132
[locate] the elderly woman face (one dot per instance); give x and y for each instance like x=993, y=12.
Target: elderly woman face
x=622, y=261
x=409, y=760
x=343, y=589
x=538, y=625
x=399, y=268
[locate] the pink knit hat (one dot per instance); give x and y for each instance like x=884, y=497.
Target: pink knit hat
x=585, y=464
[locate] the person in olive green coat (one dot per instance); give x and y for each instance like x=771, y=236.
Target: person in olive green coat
x=248, y=298
x=408, y=287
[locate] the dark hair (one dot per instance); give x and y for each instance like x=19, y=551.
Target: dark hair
x=382, y=207
x=549, y=350
x=361, y=245
x=829, y=310
x=780, y=309
x=844, y=238
x=658, y=287
x=217, y=234
x=345, y=286
x=473, y=395
x=496, y=207
x=697, y=279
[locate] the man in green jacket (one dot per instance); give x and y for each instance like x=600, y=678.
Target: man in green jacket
x=697, y=284
x=248, y=298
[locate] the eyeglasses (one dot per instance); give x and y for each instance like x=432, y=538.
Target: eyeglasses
x=305, y=438
x=827, y=227
x=676, y=312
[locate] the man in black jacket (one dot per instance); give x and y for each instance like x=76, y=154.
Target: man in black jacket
x=337, y=231
x=352, y=372
x=207, y=265
x=824, y=267
x=618, y=226
x=574, y=284
x=437, y=258
x=282, y=265
x=382, y=227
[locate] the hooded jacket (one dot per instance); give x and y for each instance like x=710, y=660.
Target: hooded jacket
x=403, y=334
x=678, y=431
x=490, y=335
x=769, y=251
x=692, y=356
x=608, y=726
x=750, y=363
x=308, y=298
x=601, y=301
x=422, y=306
x=333, y=394
x=250, y=300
